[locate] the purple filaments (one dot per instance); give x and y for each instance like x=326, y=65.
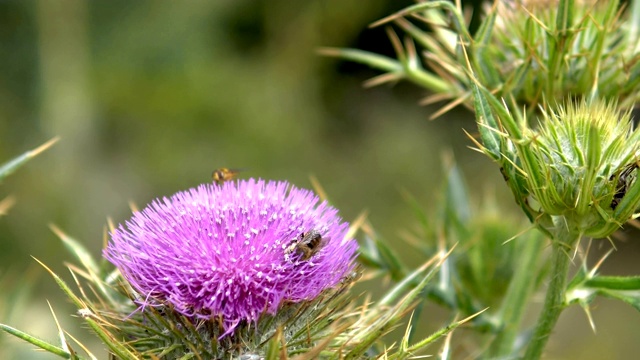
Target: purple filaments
x=224, y=251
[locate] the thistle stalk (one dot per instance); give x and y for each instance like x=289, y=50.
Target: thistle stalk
x=555, y=299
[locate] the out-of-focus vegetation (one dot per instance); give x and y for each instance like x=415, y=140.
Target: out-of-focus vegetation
x=149, y=97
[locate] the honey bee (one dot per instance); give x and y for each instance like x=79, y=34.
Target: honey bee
x=625, y=178
x=223, y=174
x=307, y=245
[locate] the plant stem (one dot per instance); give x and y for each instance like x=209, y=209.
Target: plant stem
x=517, y=297
x=554, y=302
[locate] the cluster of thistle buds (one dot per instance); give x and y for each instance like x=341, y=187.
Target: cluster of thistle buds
x=571, y=159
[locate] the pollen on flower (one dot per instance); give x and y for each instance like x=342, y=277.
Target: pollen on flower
x=218, y=252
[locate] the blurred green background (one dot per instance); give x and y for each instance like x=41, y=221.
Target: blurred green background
x=149, y=97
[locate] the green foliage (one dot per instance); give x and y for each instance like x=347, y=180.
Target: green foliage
x=528, y=51
x=484, y=276
x=573, y=67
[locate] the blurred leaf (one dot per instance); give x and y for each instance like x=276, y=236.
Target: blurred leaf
x=526, y=259
x=12, y=165
x=455, y=17
x=77, y=250
x=17, y=288
x=373, y=60
x=368, y=255
x=407, y=283
x=457, y=198
x=406, y=67
x=390, y=260
x=376, y=254
x=418, y=211
x=6, y=204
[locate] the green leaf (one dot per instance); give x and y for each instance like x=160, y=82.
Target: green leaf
x=375, y=253
x=631, y=298
x=114, y=345
x=634, y=74
x=482, y=37
x=482, y=59
x=455, y=17
x=407, y=283
x=61, y=335
x=369, y=255
x=614, y=282
x=634, y=22
x=457, y=198
x=37, y=342
x=564, y=19
x=12, y=165
x=390, y=260
x=418, y=211
x=487, y=124
x=84, y=256
x=373, y=60
x=435, y=336
x=273, y=347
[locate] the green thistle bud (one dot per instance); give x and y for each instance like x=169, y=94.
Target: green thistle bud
x=562, y=48
x=578, y=168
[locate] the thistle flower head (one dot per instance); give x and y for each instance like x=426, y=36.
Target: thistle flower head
x=233, y=252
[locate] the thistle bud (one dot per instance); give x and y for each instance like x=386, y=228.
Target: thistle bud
x=580, y=165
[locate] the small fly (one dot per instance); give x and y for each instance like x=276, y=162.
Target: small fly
x=223, y=174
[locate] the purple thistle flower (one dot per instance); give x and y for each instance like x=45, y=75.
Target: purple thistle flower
x=230, y=251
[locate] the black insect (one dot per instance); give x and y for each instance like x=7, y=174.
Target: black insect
x=626, y=176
